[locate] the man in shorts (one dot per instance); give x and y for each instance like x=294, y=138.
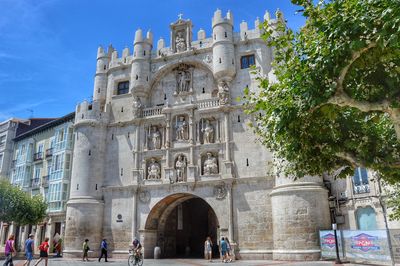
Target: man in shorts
x=29, y=247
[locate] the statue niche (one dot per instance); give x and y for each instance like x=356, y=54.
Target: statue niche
x=207, y=130
x=210, y=164
x=180, y=41
x=180, y=168
x=184, y=79
x=155, y=137
x=153, y=170
x=181, y=128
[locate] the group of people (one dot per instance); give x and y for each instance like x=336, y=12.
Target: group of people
x=136, y=247
x=29, y=246
x=225, y=249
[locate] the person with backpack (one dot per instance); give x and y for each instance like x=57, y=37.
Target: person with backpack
x=44, y=252
x=9, y=250
x=103, y=247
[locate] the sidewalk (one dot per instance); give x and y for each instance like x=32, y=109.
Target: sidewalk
x=179, y=262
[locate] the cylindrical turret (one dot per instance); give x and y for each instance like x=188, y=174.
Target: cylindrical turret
x=85, y=204
x=223, y=49
x=140, y=73
x=299, y=210
x=100, y=79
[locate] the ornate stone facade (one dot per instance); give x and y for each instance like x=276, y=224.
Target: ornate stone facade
x=174, y=155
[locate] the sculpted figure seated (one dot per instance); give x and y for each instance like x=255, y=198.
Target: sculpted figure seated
x=210, y=166
x=154, y=170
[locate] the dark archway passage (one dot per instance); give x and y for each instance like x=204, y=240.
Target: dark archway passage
x=183, y=223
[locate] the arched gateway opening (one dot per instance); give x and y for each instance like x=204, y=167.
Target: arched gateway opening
x=179, y=225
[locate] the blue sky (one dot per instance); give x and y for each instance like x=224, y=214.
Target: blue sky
x=48, y=47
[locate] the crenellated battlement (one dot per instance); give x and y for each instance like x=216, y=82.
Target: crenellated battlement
x=218, y=18
x=144, y=42
x=87, y=112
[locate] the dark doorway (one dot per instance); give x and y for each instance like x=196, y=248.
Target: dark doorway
x=187, y=227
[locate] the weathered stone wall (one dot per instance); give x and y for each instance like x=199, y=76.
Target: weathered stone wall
x=253, y=218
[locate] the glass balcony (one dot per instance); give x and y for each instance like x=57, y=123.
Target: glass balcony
x=38, y=156
x=45, y=181
x=49, y=152
x=35, y=183
x=361, y=189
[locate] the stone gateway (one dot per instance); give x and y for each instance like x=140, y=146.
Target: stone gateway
x=174, y=155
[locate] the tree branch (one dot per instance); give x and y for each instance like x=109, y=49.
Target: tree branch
x=343, y=73
x=350, y=158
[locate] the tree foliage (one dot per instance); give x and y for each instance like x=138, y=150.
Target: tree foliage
x=335, y=98
x=19, y=207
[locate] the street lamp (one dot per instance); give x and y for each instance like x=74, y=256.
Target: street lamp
x=337, y=261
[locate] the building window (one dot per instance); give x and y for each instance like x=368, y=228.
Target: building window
x=1, y=161
x=2, y=140
x=123, y=88
x=247, y=61
x=360, y=181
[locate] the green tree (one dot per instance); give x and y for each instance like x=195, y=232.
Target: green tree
x=334, y=101
x=19, y=207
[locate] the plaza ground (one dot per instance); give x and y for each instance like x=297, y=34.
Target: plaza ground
x=178, y=262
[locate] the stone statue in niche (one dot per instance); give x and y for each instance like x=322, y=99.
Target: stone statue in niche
x=223, y=93
x=210, y=166
x=153, y=170
x=181, y=128
x=180, y=167
x=136, y=106
x=208, y=132
x=155, y=138
x=180, y=42
x=183, y=81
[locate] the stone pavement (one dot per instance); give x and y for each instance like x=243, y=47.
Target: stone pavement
x=177, y=262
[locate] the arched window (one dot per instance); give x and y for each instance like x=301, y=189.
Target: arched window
x=366, y=218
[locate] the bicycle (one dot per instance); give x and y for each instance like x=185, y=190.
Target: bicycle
x=135, y=259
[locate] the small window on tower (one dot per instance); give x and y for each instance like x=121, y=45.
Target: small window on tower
x=123, y=87
x=247, y=61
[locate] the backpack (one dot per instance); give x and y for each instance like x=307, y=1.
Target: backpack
x=42, y=246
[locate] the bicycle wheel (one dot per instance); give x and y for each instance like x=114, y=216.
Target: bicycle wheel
x=131, y=260
x=140, y=260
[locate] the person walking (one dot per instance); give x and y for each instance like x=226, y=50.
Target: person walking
x=208, y=249
x=229, y=250
x=29, y=248
x=86, y=249
x=44, y=252
x=103, y=250
x=9, y=250
x=58, y=248
x=224, y=249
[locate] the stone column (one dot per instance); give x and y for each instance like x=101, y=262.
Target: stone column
x=299, y=210
x=227, y=137
x=148, y=238
x=168, y=131
x=134, y=214
x=230, y=212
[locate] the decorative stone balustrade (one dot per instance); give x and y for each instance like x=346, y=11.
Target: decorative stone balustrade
x=214, y=102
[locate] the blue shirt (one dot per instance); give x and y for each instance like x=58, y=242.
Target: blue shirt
x=28, y=245
x=104, y=244
x=224, y=246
